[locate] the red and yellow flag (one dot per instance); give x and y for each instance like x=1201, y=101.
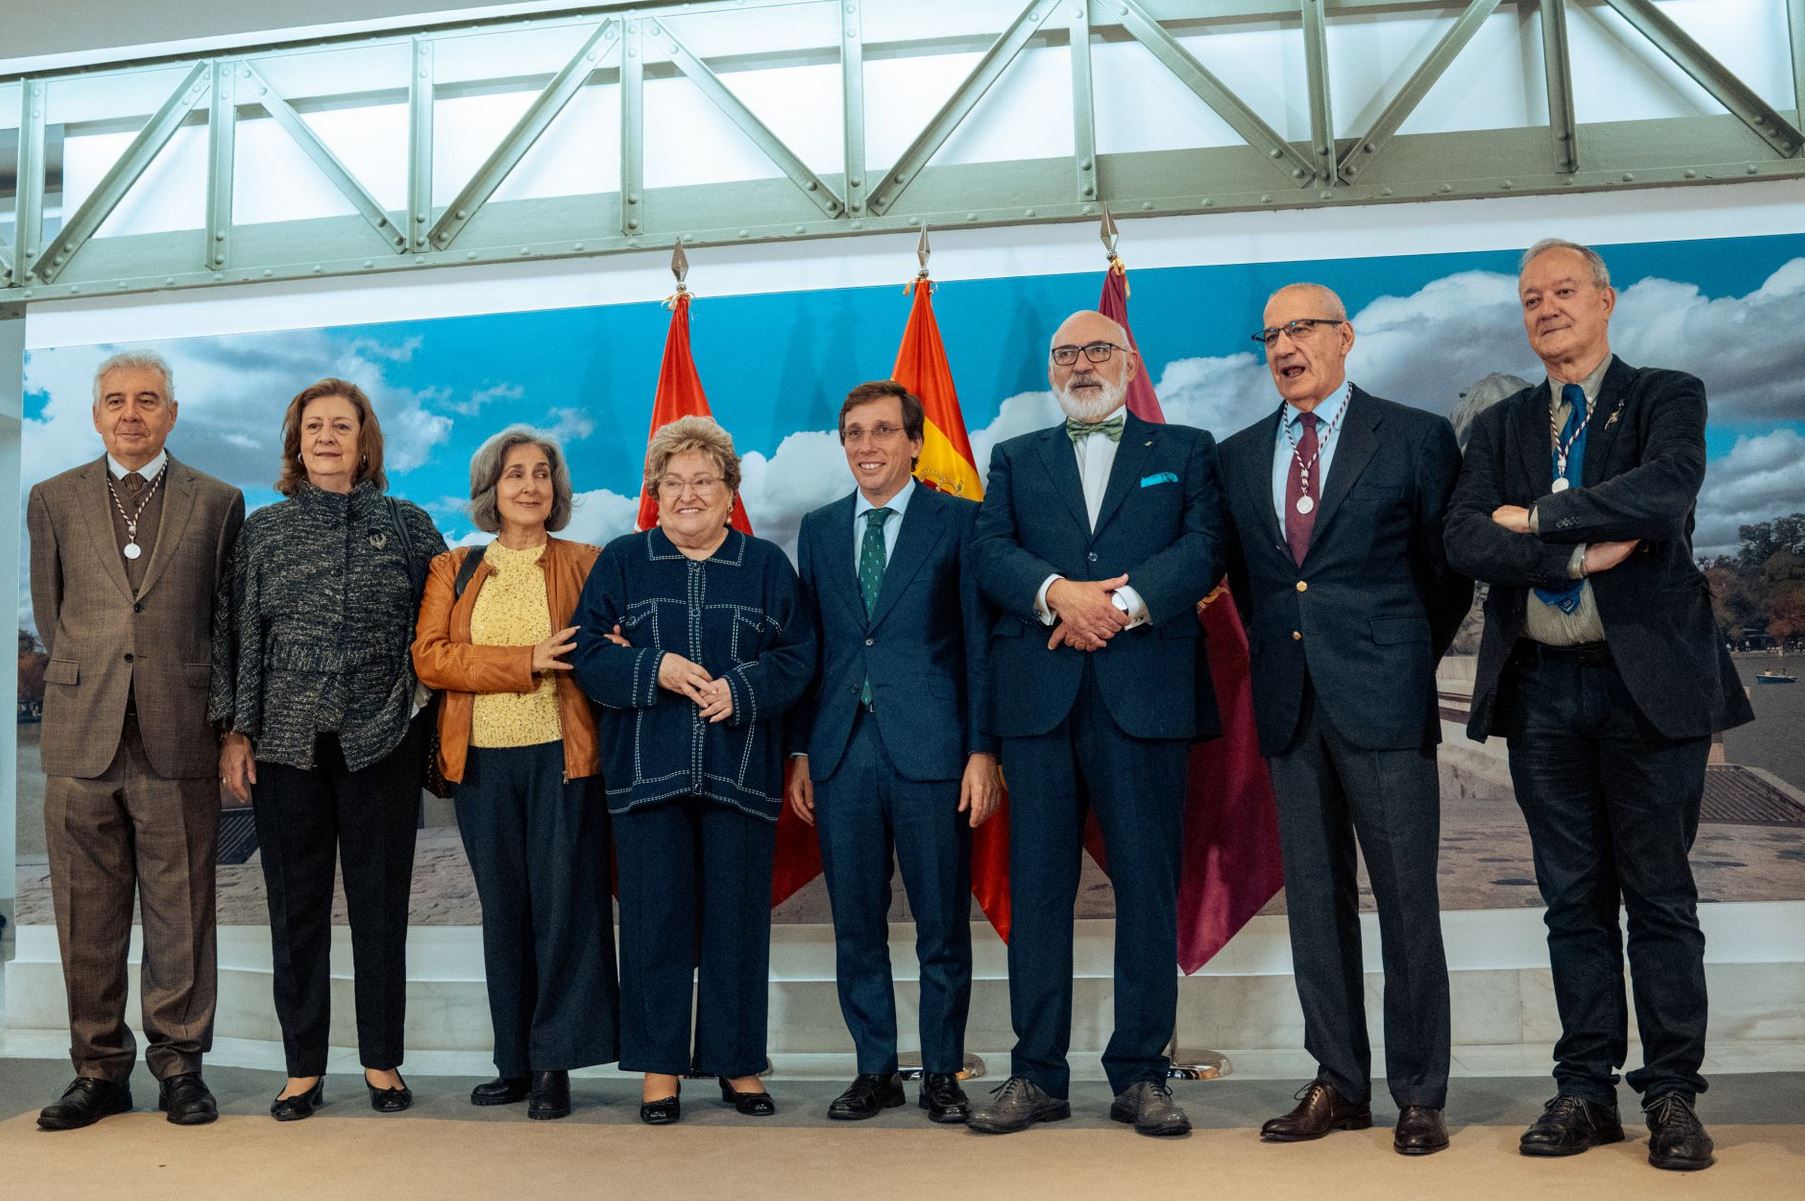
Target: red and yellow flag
x=947, y=465
x=798, y=858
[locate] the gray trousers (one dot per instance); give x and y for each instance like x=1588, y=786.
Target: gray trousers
x=131, y=831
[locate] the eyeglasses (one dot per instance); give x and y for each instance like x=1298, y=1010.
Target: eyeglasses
x=702, y=485
x=1294, y=330
x=1096, y=352
x=879, y=433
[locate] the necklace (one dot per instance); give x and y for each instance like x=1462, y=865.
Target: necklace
x=131, y=549
x=1564, y=446
x=1306, y=502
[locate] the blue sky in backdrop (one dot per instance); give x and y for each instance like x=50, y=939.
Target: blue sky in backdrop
x=776, y=365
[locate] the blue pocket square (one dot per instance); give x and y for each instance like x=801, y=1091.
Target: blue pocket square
x=1164, y=477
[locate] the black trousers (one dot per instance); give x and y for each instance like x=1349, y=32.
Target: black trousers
x=538, y=847
x=1612, y=809
x=1137, y=788
x=1330, y=793
x=864, y=812
x=694, y=870
x=366, y=821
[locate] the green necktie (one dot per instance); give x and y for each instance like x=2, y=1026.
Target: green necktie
x=872, y=558
x=1077, y=431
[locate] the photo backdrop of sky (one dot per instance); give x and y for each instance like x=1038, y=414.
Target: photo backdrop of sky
x=776, y=365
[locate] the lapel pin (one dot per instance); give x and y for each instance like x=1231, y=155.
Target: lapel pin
x=1148, y=442
x=378, y=541
x=1612, y=419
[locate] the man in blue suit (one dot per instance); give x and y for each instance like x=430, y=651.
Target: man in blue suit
x=1098, y=538
x=891, y=750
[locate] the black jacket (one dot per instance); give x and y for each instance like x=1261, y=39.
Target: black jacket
x=1644, y=462
x=1374, y=605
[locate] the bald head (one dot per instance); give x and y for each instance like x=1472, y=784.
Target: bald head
x=1324, y=300
x=1087, y=389
x=1310, y=341
x=1085, y=326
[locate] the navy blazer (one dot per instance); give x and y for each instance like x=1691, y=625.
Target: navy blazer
x=1374, y=605
x=1644, y=463
x=925, y=647
x=1160, y=523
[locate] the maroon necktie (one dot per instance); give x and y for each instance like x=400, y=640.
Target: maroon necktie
x=1298, y=525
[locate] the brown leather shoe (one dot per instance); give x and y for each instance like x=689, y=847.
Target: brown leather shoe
x=1421, y=1131
x=1320, y=1109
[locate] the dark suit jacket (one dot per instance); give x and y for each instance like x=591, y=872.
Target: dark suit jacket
x=925, y=647
x=1644, y=462
x=1374, y=605
x=106, y=643
x=1161, y=523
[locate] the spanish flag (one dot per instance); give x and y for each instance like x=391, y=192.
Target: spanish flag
x=798, y=858
x=947, y=465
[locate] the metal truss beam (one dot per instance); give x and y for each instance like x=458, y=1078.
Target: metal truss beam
x=119, y=179
x=747, y=121
x=958, y=106
x=419, y=145
x=852, y=103
x=1322, y=109
x=534, y=122
x=1558, y=67
x=1084, y=111
x=1710, y=74
x=1230, y=107
x=28, y=208
x=1795, y=28
x=632, y=131
x=1362, y=154
x=222, y=143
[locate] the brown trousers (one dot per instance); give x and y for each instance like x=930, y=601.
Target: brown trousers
x=130, y=831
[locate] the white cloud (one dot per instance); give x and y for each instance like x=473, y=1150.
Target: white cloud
x=600, y=516
x=473, y=404
x=1760, y=479
x=569, y=425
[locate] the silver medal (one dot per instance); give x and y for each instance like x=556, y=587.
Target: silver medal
x=133, y=550
x=1562, y=484
x=1305, y=504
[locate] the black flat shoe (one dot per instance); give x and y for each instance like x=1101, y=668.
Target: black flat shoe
x=662, y=1112
x=187, y=1100
x=551, y=1096
x=301, y=1105
x=754, y=1105
x=84, y=1103
x=390, y=1100
x=503, y=1090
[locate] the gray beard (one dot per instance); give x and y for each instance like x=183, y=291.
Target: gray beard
x=1109, y=399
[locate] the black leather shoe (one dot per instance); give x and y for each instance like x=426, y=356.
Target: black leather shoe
x=187, y=1100
x=866, y=1096
x=1018, y=1104
x=301, y=1105
x=944, y=1100
x=390, y=1100
x=1676, y=1138
x=1421, y=1131
x=87, y=1100
x=754, y=1105
x=551, y=1096
x=1320, y=1109
x=503, y=1090
x=663, y=1112
x=1569, y=1125
x=1149, y=1105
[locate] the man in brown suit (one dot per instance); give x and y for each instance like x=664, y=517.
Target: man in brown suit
x=125, y=554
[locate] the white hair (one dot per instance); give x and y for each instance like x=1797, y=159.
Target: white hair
x=1327, y=295
x=135, y=360
x=1601, y=274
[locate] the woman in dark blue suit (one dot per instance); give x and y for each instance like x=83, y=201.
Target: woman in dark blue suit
x=709, y=649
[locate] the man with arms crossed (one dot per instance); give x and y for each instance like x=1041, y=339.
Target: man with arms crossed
x=891, y=750
x=125, y=554
x=1603, y=668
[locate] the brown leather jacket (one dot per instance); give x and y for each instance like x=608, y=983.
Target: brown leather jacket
x=446, y=660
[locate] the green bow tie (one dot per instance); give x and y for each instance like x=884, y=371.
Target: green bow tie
x=1077, y=431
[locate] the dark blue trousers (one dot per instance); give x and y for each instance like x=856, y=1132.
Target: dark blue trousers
x=694, y=871
x=1612, y=809
x=1137, y=789
x=538, y=846
x=863, y=812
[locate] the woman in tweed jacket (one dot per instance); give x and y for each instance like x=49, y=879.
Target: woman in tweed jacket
x=314, y=685
x=710, y=648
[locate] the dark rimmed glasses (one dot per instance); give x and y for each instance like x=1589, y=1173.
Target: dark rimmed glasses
x=1294, y=330
x=1096, y=352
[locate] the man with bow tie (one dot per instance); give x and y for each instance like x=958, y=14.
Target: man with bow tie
x=1097, y=539
x=126, y=551
x=1603, y=667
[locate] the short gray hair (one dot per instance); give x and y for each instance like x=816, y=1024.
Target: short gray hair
x=133, y=360
x=485, y=475
x=692, y=433
x=1601, y=274
x=1331, y=300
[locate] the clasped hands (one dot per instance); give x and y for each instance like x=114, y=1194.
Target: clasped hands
x=1088, y=616
x=1600, y=556
x=688, y=679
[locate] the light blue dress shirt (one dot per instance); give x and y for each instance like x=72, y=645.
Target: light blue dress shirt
x=898, y=504
x=1328, y=413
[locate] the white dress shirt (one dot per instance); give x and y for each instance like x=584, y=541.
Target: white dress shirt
x=1096, y=457
x=897, y=505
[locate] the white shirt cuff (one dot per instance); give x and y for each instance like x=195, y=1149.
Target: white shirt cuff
x=1040, y=600
x=1576, y=563
x=1130, y=602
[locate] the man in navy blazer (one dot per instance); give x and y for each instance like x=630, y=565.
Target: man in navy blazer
x=1098, y=538
x=1603, y=667
x=891, y=748
x=1335, y=505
